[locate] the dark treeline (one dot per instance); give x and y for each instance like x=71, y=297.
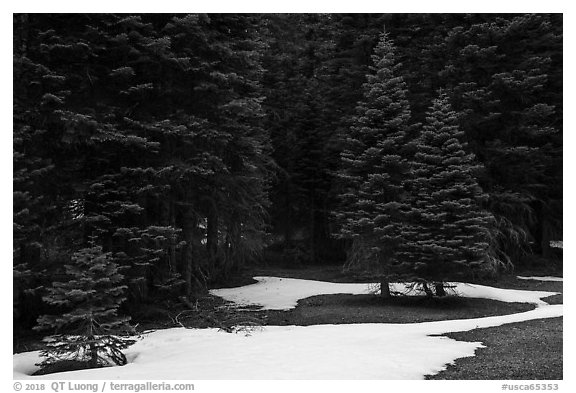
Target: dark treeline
x=180, y=148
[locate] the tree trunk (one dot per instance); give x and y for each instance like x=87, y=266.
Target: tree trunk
x=312, y=229
x=234, y=258
x=188, y=261
x=93, y=362
x=238, y=259
x=287, y=233
x=321, y=238
x=172, y=247
x=385, y=288
x=439, y=288
x=212, y=241
x=287, y=218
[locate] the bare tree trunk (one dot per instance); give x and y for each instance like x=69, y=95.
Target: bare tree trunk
x=312, y=229
x=239, y=256
x=439, y=288
x=93, y=353
x=212, y=241
x=234, y=258
x=385, y=288
x=188, y=260
x=172, y=247
x=93, y=362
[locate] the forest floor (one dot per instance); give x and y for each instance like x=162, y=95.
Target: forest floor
x=524, y=350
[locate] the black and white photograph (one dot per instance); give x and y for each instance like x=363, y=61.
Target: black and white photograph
x=286, y=196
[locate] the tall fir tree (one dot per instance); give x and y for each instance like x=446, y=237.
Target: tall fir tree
x=447, y=235
x=374, y=164
x=505, y=75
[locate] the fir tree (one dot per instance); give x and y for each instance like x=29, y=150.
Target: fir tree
x=374, y=165
x=505, y=74
x=90, y=330
x=447, y=236
x=214, y=153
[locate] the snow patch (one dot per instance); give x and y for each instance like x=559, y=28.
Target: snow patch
x=545, y=278
x=556, y=244
x=277, y=293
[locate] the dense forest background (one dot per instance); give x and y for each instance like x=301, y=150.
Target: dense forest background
x=183, y=148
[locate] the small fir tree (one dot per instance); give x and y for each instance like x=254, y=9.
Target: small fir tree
x=89, y=331
x=447, y=235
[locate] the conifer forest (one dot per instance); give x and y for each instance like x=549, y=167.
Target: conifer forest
x=159, y=156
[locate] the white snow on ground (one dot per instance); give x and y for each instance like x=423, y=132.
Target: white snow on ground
x=275, y=293
x=502, y=294
x=545, y=278
x=556, y=244
x=356, y=351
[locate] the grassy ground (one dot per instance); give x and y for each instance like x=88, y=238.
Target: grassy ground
x=348, y=309
x=525, y=350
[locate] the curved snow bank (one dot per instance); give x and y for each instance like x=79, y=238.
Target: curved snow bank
x=545, y=278
x=503, y=294
x=360, y=351
x=275, y=293
x=463, y=325
x=24, y=364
